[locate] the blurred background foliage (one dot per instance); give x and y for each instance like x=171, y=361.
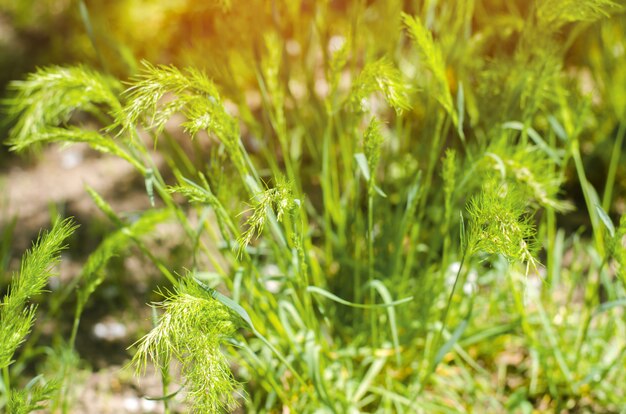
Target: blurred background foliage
x=484, y=43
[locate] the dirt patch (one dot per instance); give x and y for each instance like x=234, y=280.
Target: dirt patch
x=59, y=179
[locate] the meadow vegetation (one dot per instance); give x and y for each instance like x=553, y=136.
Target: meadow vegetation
x=402, y=206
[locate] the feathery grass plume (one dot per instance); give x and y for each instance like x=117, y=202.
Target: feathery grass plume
x=16, y=314
x=553, y=14
x=529, y=168
x=161, y=91
x=372, y=140
x=500, y=224
x=191, y=330
x=194, y=94
x=32, y=397
x=279, y=200
x=48, y=98
x=433, y=61
x=71, y=134
x=195, y=193
x=380, y=76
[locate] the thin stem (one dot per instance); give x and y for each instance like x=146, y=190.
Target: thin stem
x=79, y=311
x=444, y=321
x=327, y=192
x=358, y=288
x=7, y=381
x=444, y=318
x=84, y=13
x=615, y=156
x=164, y=370
x=585, y=186
x=370, y=259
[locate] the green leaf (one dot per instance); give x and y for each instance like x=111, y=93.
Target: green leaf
x=232, y=305
x=328, y=295
x=606, y=220
x=460, y=108
x=165, y=397
x=534, y=135
x=391, y=315
x=558, y=128
x=371, y=373
x=243, y=314
x=610, y=305
x=361, y=161
x=454, y=338
x=379, y=191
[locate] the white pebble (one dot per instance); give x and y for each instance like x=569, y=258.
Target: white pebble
x=109, y=330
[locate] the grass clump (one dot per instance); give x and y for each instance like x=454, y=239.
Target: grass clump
x=499, y=224
x=17, y=312
x=403, y=223
x=191, y=329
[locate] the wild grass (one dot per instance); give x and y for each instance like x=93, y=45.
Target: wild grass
x=17, y=313
x=392, y=222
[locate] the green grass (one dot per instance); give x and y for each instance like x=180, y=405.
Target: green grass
x=405, y=223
